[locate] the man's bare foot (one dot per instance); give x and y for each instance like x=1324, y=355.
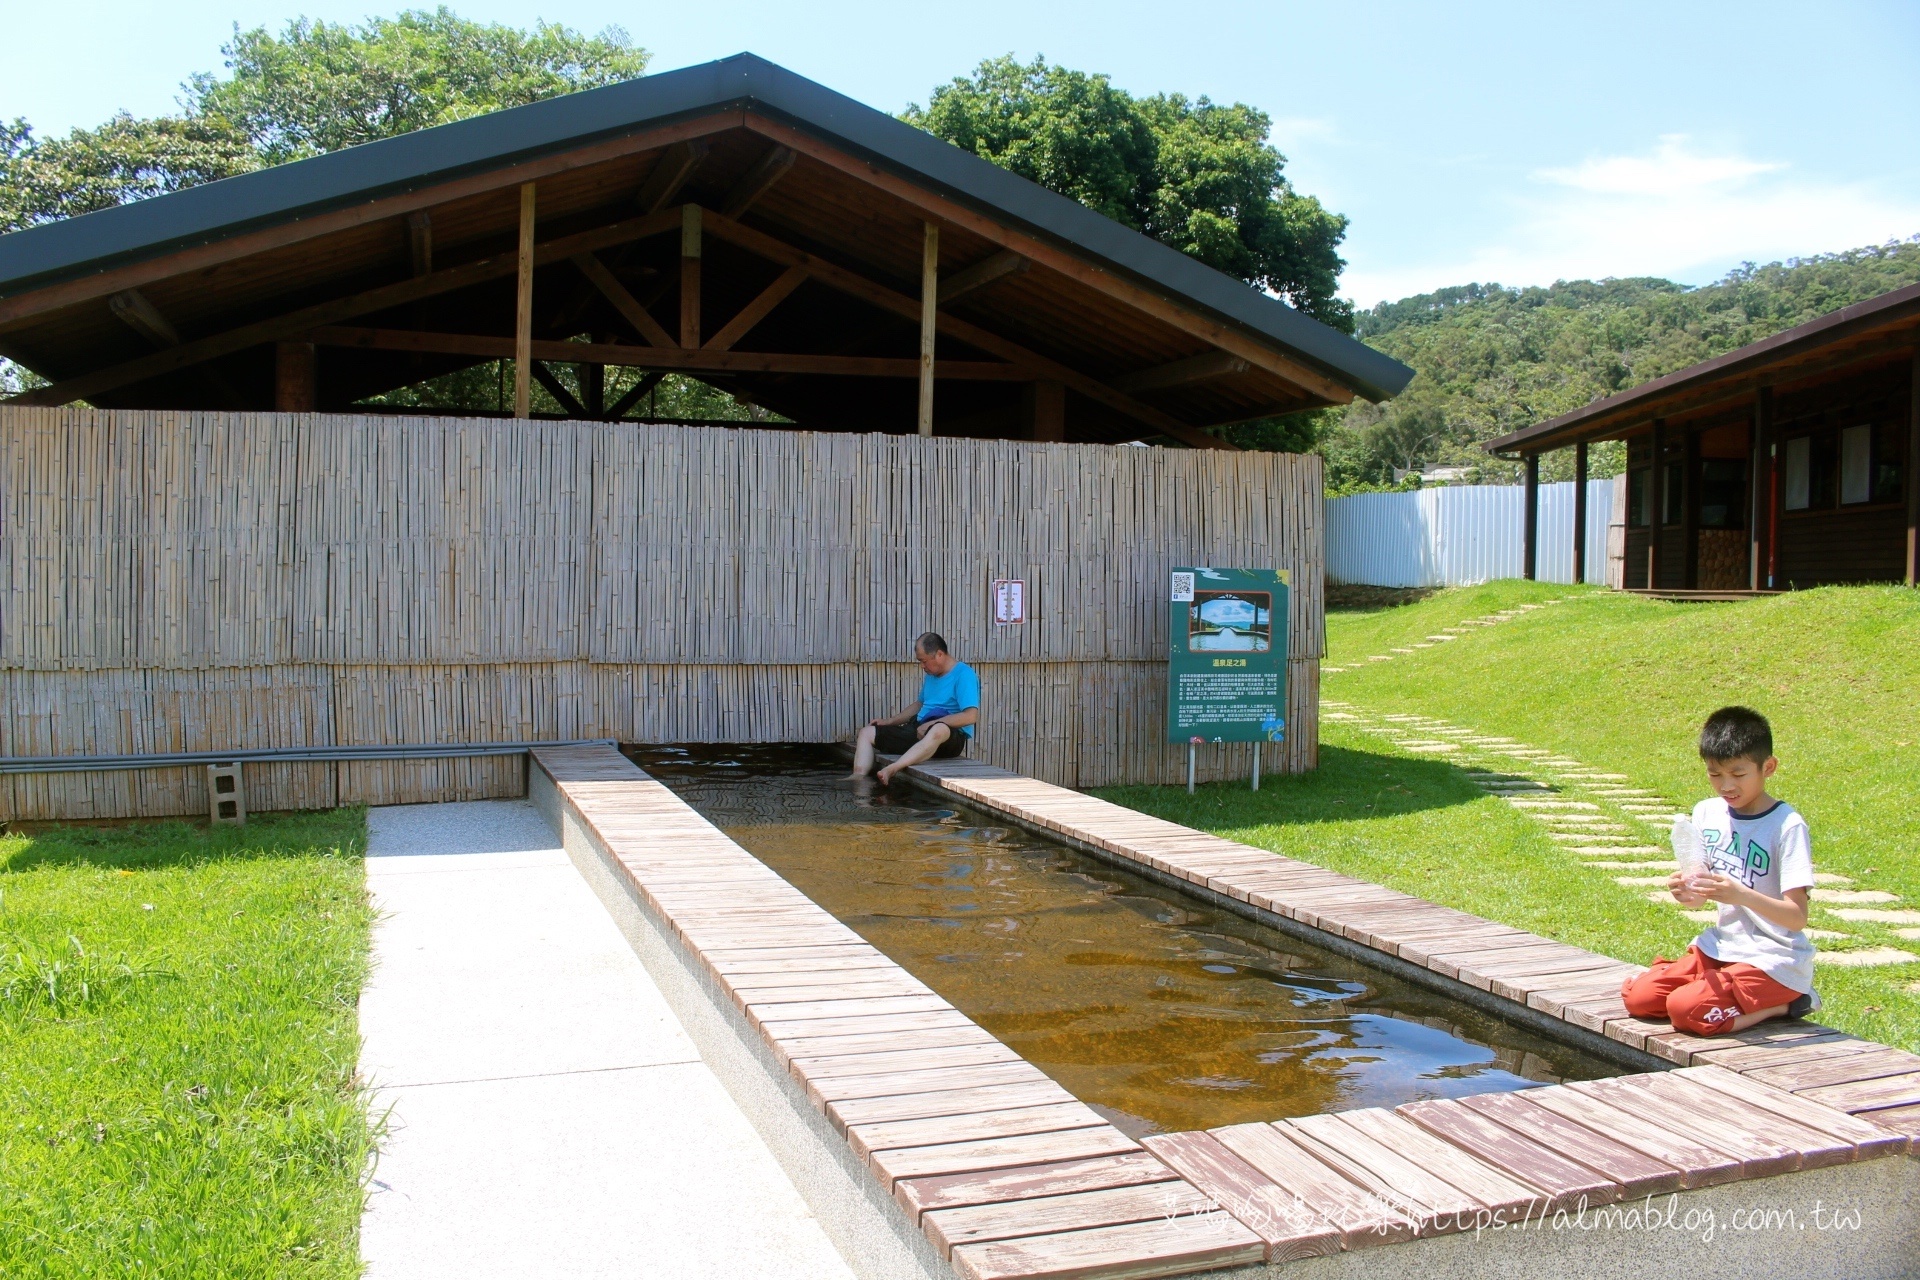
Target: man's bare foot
x=885, y=776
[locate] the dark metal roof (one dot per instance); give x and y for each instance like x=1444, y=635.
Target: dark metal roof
x=1625, y=408
x=97, y=241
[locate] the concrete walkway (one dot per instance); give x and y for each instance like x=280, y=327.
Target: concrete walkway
x=548, y=1117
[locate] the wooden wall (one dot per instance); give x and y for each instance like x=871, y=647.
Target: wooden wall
x=175, y=581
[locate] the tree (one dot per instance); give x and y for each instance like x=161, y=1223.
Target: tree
x=1196, y=175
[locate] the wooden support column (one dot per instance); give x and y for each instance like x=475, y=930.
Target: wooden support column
x=1910, y=477
x=523, y=311
x=1656, y=502
x=1580, y=512
x=593, y=387
x=1530, y=535
x=1046, y=405
x=929, y=308
x=690, y=276
x=295, y=377
x=1759, y=485
x=1689, y=510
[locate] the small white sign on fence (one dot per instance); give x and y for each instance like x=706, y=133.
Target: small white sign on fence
x=1009, y=602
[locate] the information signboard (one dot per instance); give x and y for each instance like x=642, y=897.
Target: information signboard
x=1227, y=657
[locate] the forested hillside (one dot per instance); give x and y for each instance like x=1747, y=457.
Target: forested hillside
x=1492, y=360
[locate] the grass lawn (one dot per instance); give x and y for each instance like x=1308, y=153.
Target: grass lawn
x=1620, y=683
x=178, y=1046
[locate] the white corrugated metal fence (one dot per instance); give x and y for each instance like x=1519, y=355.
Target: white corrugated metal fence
x=1460, y=534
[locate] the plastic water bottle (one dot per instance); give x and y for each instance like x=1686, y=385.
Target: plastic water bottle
x=1688, y=853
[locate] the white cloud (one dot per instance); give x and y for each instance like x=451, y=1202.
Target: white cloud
x=1674, y=211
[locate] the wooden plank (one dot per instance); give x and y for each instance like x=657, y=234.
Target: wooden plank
x=1760, y=1154
x=1636, y=1173
x=1812, y=1073
x=808, y=1033
x=1868, y=1095
x=1700, y=1165
x=939, y=1077
x=1869, y=1141
x=629, y=307
x=1361, y=1218
x=1816, y=1148
x=1562, y=1184
x=996, y=1185
x=980, y=275
x=1075, y=1211
x=1284, y=1223
x=523, y=310
x=757, y=180
x=1746, y=1057
x=1195, y=1242
x=951, y=1029
x=866, y=1139
x=814, y=1011
x=998, y=1152
x=1897, y=1121
x=936, y=1103
x=1179, y=373
x=929, y=321
x=981, y=1053
x=1434, y=1203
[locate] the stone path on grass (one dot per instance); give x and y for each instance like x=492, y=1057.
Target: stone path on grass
x=1447, y=635
x=1617, y=829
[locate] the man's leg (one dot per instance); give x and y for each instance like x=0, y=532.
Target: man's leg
x=929, y=743
x=863, y=752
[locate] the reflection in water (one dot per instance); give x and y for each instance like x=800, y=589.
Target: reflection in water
x=1153, y=1007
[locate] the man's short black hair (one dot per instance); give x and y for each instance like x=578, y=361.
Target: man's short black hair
x=1736, y=733
x=931, y=642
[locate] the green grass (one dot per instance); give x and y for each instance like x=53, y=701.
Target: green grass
x=178, y=1046
x=1621, y=683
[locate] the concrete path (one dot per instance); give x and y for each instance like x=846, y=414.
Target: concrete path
x=548, y=1117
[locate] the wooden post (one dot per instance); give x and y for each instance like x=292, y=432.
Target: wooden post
x=1529, y=537
x=1656, y=502
x=929, y=303
x=1580, y=512
x=1689, y=510
x=1911, y=475
x=690, y=276
x=1759, y=485
x=295, y=377
x=1046, y=404
x=593, y=388
x=523, y=312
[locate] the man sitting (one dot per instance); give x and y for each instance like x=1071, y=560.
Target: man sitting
x=936, y=727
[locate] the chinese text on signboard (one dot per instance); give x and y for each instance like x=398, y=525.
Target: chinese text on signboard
x=1227, y=661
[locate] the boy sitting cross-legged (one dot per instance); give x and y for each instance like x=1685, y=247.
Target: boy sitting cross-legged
x=1756, y=962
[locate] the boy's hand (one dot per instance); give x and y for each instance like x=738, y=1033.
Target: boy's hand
x=1714, y=885
x=1683, y=889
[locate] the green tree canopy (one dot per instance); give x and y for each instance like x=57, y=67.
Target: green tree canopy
x=1193, y=174
x=315, y=87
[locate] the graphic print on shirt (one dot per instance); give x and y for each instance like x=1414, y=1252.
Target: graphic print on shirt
x=1727, y=860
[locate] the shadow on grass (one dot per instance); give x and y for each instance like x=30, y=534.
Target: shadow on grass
x=145, y=846
x=1349, y=786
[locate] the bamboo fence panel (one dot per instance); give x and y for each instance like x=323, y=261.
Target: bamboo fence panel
x=386, y=580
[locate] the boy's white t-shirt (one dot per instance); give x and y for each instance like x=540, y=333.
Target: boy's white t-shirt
x=1771, y=853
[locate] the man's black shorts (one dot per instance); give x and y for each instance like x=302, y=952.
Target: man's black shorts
x=893, y=739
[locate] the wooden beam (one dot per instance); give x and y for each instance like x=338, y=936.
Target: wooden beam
x=1689, y=502
x=140, y=315
x=523, y=311
x=1656, y=502
x=420, y=242
x=204, y=259
x=1179, y=373
x=670, y=173
x=690, y=276
x=1759, y=485
x=618, y=409
x=629, y=307
x=676, y=359
x=321, y=314
x=887, y=299
x=1580, y=513
x=981, y=274
x=1046, y=405
x=757, y=310
x=1255, y=350
x=929, y=321
x=757, y=180
x=295, y=377
x=1530, y=530
x=593, y=388
x=1910, y=474
x=569, y=403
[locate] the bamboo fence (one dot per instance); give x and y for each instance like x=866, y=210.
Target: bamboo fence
x=174, y=581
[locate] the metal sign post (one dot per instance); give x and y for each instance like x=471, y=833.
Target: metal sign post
x=1256, y=766
x=1190, y=768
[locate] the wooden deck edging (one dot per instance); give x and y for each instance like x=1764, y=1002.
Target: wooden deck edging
x=1007, y=1175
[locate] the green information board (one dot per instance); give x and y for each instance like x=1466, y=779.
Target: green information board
x=1227, y=657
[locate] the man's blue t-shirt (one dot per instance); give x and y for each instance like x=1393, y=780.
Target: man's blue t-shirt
x=953, y=692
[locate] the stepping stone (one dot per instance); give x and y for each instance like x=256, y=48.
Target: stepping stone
x=1634, y=881
x=1828, y=877
x=1419, y=644
x=1911, y=935
x=1579, y=817
x=1604, y=837
x=1431, y=748
x=1337, y=715
x=1827, y=935
x=1632, y=866
x=1616, y=851
x=1852, y=895
x=1612, y=777
x=1865, y=957
x=1701, y=917
x=1443, y=639
x=1331, y=671
x=1403, y=651
x=1553, y=805
x=1378, y=657
x=1858, y=915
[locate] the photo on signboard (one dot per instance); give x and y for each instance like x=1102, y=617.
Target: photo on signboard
x=1230, y=621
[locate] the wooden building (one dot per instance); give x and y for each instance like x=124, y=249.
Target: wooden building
x=212, y=538
x=1787, y=463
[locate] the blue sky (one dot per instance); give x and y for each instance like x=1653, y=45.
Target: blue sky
x=1467, y=141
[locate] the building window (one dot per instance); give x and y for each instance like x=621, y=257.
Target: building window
x=1671, y=500
x=1723, y=493
x=1796, y=467
x=1888, y=446
x=1637, y=498
x=1856, y=465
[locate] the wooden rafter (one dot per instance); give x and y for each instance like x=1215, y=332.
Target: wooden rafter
x=140, y=315
x=1179, y=373
x=420, y=242
x=618, y=409
x=365, y=302
x=757, y=310
x=569, y=403
x=859, y=286
x=757, y=180
x=981, y=274
x=675, y=359
x=670, y=173
x=629, y=307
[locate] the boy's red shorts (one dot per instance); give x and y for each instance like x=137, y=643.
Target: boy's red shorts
x=1700, y=994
